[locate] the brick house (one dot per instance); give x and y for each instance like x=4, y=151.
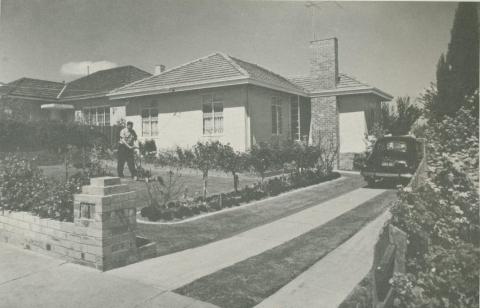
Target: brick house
x=220, y=97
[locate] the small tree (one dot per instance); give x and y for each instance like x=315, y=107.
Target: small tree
x=398, y=118
x=232, y=162
x=261, y=159
x=327, y=152
x=204, y=157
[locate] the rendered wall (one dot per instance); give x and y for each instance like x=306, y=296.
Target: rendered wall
x=180, y=117
x=260, y=111
x=357, y=115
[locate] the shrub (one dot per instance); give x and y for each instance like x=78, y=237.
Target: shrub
x=441, y=220
x=262, y=159
x=23, y=187
x=148, y=148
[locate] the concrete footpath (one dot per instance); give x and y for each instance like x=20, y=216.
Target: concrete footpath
x=328, y=282
x=175, y=270
x=32, y=280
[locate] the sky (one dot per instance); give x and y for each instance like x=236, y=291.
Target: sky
x=393, y=46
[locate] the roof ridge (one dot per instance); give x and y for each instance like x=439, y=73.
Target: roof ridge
x=168, y=70
x=28, y=78
x=231, y=60
x=271, y=72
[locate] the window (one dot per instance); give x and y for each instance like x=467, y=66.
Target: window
x=212, y=109
x=295, y=117
x=98, y=116
x=150, y=122
x=276, y=116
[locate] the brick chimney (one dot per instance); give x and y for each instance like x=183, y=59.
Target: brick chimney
x=324, y=109
x=159, y=68
x=324, y=62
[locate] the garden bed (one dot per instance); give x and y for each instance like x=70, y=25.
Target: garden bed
x=176, y=211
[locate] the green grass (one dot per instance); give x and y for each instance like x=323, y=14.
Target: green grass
x=248, y=282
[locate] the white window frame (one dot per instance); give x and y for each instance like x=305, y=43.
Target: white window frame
x=95, y=121
x=151, y=121
x=276, y=109
x=216, y=117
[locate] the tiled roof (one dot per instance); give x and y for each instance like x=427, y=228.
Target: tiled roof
x=309, y=84
x=33, y=88
x=102, y=82
x=213, y=68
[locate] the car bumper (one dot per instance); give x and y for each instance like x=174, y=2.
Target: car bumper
x=373, y=174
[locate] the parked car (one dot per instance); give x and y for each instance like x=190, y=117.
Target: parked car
x=393, y=158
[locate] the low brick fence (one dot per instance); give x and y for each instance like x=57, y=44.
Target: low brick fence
x=102, y=234
x=64, y=239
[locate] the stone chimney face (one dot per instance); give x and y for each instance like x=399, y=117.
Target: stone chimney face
x=324, y=62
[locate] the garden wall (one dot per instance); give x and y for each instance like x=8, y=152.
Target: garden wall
x=61, y=239
x=101, y=236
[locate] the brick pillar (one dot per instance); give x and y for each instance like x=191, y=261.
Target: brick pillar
x=107, y=209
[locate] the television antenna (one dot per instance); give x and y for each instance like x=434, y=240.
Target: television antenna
x=315, y=6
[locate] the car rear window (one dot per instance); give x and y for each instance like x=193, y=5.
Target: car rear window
x=393, y=146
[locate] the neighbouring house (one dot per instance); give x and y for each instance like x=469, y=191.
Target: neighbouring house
x=220, y=97
x=28, y=95
x=83, y=99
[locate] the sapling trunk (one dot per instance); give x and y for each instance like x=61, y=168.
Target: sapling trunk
x=66, y=166
x=205, y=183
x=235, y=181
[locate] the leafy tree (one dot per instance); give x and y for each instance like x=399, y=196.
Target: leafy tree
x=457, y=72
x=262, y=158
x=398, y=118
x=232, y=162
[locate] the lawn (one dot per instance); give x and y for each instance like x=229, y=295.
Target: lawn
x=192, y=181
x=247, y=283
x=175, y=237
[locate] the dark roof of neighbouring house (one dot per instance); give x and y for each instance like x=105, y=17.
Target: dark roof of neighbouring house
x=32, y=88
x=213, y=69
x=102, y=82
x=345, y=84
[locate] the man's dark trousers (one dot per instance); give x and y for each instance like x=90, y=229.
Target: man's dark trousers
x=125, y=155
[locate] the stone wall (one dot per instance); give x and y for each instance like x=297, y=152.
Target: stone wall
x=101, y=236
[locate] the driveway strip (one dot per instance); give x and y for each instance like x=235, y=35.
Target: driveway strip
x=175, y=270
x=328, y=282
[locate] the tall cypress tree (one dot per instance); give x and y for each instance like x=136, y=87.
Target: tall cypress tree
x=457, y=72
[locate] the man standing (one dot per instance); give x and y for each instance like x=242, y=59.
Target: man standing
x=126, y=149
